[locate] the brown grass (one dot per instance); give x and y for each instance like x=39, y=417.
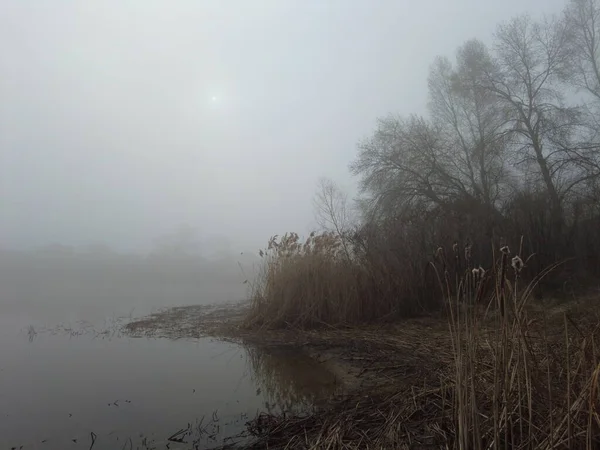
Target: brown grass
x=333, y=280
x=515, y=385
x=513, y=375
x=307, y=284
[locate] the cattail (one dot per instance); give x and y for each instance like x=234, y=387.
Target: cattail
x=478, y=272
x=481, y=272
x=517, y=264
x=455, y=247
x=505, y=250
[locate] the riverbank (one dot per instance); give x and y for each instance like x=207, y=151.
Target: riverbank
x=361, y=356
x=400, y=379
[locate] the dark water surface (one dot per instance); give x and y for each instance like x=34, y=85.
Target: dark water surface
x=68, y=376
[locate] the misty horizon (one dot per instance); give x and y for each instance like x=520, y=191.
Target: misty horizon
x=237, y=224
x=120, y=122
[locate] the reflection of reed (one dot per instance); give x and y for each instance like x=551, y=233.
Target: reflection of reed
x=289, y=379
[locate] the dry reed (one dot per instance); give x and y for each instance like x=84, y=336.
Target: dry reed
x=514, y=385
x=307, y=284
x=516, y=378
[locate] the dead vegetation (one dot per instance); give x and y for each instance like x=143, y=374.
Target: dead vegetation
x=185, y=322
x=308, y=283
x=507, y=158
x=468, y=376
x=523, y=378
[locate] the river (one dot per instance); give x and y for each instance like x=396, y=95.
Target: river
x=70, y=379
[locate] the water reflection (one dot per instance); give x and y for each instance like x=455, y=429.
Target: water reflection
x=78, y=385
x=291, y=380
x=83, y=382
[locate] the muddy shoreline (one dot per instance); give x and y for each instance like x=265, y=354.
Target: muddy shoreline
x=373, y=363
x=398, y=378
x=369, y=359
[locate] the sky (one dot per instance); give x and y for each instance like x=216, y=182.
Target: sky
x=122, y=120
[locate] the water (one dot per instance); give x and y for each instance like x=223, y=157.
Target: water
x=68, y=377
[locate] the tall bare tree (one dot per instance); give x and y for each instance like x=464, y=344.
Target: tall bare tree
x=456, y=156
x=582, y=20
x=404, y=164
x=471, y=120
x=531, y=60
x=495, y=118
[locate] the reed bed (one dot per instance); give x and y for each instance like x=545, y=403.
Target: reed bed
x=507, y=373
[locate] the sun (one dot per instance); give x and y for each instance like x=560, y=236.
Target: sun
x=214, y=98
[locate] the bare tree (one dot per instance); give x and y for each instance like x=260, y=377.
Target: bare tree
x=456, y=156
x=494, y=119
x=331, y=207
x=531, y=60
x=582, y=19
x=332, y=211
x=405, y=164
x=471, y=120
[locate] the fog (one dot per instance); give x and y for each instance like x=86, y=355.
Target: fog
x=149, y=149
x=121, y=121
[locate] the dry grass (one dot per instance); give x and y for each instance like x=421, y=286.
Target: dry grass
x=290, y=379
x=332, y=280
x=508, y=374
x=516, y=385
x=307, y=284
